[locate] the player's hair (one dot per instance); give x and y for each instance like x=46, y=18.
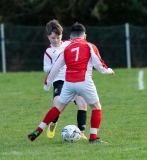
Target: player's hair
x=54, y=26
x=77, y=30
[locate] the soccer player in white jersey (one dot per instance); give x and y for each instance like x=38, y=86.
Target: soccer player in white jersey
x=54, y=34
x=80, y=57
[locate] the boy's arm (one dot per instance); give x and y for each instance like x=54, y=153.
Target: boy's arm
x=47, y=63
x=54, y=72
x=97, y=61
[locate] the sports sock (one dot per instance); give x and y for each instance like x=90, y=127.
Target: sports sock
x=81, y=119
x=96, y=118
x=50, y=116
x=55, y=120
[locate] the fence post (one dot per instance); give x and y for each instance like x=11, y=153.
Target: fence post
x=128, y=45
x=3, y=49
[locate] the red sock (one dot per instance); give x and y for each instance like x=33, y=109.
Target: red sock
x=50, y=116
x=96, y=118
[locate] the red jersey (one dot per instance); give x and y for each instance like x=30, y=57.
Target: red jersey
x=77, y=56
x=80, y=57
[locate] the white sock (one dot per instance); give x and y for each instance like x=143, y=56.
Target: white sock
x=42, y=125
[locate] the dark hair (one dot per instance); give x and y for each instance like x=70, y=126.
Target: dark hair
x=77, y=29
x=54, y=26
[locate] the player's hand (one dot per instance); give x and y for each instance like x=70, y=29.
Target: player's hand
x=46, y=88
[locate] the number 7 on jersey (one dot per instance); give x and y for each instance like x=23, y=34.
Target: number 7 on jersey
x=77, y=52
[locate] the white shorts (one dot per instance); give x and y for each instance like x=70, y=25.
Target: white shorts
x=85, y=89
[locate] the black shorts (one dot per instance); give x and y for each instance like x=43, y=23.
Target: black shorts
x=57, y=85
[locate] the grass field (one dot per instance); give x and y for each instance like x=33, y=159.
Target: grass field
x=23, y=104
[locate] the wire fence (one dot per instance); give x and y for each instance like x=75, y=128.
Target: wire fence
x=24, y=46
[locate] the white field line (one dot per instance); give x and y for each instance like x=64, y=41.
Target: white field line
x=12, y=152
x=37, y=153
x=13, y=93
x=140, y=80
x=134, y=148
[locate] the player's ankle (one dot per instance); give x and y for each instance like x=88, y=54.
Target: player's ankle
x=52, y=126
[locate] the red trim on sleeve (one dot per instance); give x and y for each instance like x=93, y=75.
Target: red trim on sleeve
x=45, y=81
x=48, y=56
x=98, y=55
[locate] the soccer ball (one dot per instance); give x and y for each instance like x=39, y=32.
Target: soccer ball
x=71, y=133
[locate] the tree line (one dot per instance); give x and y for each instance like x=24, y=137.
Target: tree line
x=88, y=12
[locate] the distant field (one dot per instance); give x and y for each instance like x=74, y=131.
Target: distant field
x=23, y=104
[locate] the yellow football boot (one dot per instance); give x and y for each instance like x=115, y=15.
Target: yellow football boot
x=51, y=130
x=83, y=135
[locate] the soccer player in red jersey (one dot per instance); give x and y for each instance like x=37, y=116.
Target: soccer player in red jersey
x=57, y=45
x=80, y=57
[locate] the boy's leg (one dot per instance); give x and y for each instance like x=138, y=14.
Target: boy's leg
x=88, y=91
x=81, y=115
x=52, y=126
x=56, y=93
x=81, y=121
x=50, y=116
x=95, y=122
x=96, y=118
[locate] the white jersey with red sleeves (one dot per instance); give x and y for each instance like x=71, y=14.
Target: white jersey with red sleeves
x=50, y=56
x=80, y=57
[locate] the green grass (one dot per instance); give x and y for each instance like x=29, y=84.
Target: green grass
x=24, y=103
